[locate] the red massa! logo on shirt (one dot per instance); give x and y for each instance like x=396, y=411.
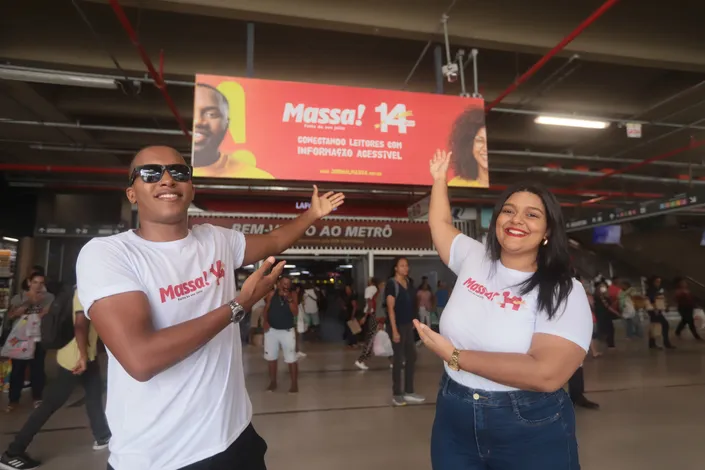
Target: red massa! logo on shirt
x=503, y=299
x=192, y=287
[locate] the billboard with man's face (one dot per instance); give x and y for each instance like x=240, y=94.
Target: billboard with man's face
x=262, y=129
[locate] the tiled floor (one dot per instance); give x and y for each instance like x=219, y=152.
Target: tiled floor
x=652, y=416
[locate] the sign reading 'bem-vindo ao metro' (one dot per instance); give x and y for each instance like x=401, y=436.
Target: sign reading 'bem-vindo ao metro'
x=333, y=233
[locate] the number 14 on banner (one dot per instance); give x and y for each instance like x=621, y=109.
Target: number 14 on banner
x=396, y=117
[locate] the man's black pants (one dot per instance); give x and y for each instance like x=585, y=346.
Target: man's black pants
x=246, y=453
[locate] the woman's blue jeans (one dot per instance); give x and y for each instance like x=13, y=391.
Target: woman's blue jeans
x=480, y=430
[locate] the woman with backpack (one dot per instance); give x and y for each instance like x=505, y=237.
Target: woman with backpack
x=400, y=301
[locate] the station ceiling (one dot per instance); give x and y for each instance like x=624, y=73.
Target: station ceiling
x=639, y=61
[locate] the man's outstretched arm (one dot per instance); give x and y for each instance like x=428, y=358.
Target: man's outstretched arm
x=124, y=323
x=279, y=240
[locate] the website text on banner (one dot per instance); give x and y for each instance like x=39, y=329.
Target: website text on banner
x=263, y=129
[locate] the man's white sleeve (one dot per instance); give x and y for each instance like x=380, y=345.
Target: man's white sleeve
x=102, y=271
x=237, y=243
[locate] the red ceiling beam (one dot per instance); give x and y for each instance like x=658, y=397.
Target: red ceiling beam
x=21, y=167
x=588, y=192
x=559, y=47
x=156, y=76
x=634, y=166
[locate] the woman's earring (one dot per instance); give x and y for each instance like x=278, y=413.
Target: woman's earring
x=545, y=242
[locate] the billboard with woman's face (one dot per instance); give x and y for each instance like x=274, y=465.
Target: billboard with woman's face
x=262, y=129
x=468, y=142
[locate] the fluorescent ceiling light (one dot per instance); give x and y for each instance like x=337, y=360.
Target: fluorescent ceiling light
x=289, y=266
x=570, y=122
x=294, y=273
x=346, y=266
x=55, y=78
x=10, y=239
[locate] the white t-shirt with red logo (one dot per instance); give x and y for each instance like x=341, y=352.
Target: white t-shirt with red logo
x=198, y=407
x=486, y=312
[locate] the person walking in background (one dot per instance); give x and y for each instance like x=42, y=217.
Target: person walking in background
x=31, y=305
x=399, y=298
x=256, y=319
x=614, y=288
x=686, y=309
x=279, y=333
x=311, y=310
x=628, y=311
x=77, y=364
x=656, y=309
x=605, y=315
x=576, y=383
x=368, y=322
x=424, y=300
x=301, y=326
x=348, y=301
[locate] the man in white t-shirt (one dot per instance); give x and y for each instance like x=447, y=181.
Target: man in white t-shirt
x=161, y=299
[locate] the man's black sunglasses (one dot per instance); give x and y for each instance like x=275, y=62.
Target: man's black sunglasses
x=152, y=173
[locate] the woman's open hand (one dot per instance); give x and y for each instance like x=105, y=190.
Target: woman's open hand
x=434, y=341
x=439, y=165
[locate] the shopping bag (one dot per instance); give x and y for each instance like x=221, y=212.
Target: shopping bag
x=19, y=345
x=699, y=315
x=34, y=326
x=354, y=326
x=382, y=345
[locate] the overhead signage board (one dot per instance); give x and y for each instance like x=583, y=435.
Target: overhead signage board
x=335, y=233
x=649, y=209
x=275, y=130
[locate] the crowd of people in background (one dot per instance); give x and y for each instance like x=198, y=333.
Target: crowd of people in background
x=76, y=357
x=297, y=313
x=643, y=311
x=293, y=313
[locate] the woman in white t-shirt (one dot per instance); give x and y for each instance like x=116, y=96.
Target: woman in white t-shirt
x=515, y=329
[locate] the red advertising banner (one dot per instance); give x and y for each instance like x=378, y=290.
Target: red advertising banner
x=332, y=233
x=263, y=129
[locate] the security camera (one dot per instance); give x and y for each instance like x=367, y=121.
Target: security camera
x=450, y=71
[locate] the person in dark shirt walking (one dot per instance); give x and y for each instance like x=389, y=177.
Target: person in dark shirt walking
x=279, y=319
x=686, y=307
x=400, y=297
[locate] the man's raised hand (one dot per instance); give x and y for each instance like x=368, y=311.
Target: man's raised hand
x=258, y=284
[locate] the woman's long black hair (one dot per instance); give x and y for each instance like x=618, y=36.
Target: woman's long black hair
x=462, y=142
x=553, y=276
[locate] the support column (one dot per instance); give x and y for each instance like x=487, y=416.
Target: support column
x=438, y=67
x=250, y=64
